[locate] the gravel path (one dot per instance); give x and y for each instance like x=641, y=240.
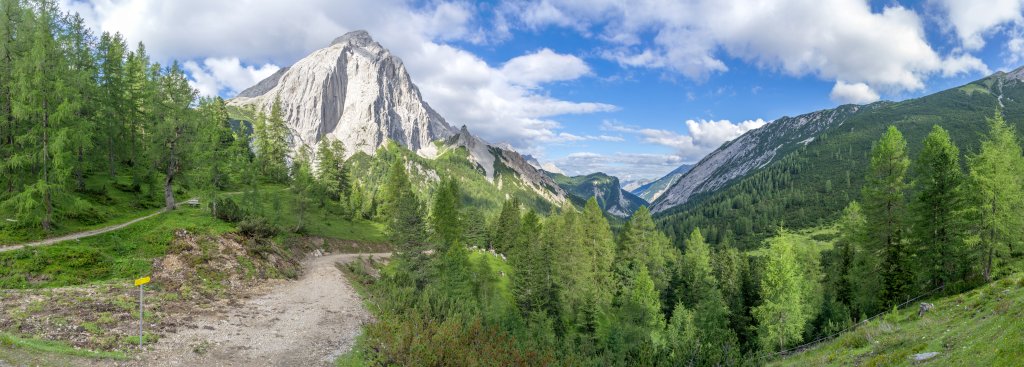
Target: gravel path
x=306, y=322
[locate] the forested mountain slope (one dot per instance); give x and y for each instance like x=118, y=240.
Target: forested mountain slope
x=653, y=190
x=606, y=189
x=809, y=182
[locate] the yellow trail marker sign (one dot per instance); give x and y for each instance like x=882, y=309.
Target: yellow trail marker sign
x=141, y=281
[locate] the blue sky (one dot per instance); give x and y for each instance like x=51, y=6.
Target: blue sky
x=629, y=88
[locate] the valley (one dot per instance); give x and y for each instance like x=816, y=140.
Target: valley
x=320, y=212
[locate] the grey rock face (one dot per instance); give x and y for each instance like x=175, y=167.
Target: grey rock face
x=751, y=151
x=353, y=90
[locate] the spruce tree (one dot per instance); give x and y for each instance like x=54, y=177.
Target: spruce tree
x=938, y=209
x=997, y=195
x=697, y=280
x=640, y=325
x=885, y=210
x=272, y=144
x=403, y=213
x=302, y=185
x=445, y=216
x=643, y=243
x=505, y=229
x=331, y=169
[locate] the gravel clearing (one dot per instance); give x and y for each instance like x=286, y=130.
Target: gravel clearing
x=305, y=322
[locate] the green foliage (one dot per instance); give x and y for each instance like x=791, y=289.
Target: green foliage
x=446, y=215
x=939, y=226
x=270, y=139
x=642, y=243
x=997, y=195
x=697, y=281
x=783, y=312
x=884, y=209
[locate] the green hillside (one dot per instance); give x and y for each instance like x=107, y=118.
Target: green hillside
x=606, y=189
x=983, y=327
x=810, y=185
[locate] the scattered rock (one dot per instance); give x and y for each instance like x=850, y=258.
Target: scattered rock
x=924, y=356
x=925, y=307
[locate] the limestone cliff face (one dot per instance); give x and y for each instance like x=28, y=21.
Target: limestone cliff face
x=357, y=92
x=354, y=91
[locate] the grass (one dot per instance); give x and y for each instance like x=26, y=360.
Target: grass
x=51, y=347
x=104, y=205
x=983, y=327
x=123, y=254
x=280, y=207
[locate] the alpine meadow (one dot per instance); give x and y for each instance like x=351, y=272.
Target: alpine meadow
x=527, y=183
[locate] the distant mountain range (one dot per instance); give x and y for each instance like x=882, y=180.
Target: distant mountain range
x=801, y=171
x=606, y=189
x=651, y=191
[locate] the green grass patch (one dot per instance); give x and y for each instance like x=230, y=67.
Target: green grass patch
x=983, y=327
x=123, y=254
x=46, y=346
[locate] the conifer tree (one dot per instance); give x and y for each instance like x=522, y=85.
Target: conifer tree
x=48, y=107
x=13, y=21
x=938, y=209
x=112, y=52
x=77, y=43
x=302, y=185
x=331, y=169
x=532, y=282
x=697, y=280
x=884, y=208
x=174, y=134
x=445, y=216
x=272, y=144
x=639, y=333
x=643, y=243
x=403, y=213
x=997, y=194
x=781, y=316
x=681, y=336
x=505, y=229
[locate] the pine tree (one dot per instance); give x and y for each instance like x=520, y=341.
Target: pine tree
x=938, y=226
x=997, y=194
x=781, y=316
x=884, y=208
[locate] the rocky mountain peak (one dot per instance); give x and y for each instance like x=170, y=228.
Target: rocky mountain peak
x=358, y=38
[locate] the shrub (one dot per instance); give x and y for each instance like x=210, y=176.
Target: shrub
x=256, y=227
x=226, y=210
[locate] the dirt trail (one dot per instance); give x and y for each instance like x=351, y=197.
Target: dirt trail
x=306, y=322
x=75, y=236
x=80, y=235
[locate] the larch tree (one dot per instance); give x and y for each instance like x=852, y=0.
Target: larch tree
x=330, y=155
x=885, y=210
x=112, y=52
x=642, y=242
x=938, y=210
x=997, y=194
x=781, y=316
x=49, y=108
x=174, y=134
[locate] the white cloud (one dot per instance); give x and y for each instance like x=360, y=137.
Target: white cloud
x=703, y=136
x=225, y=75
x=972, y=20
x=858, y=93
x=625, y=166
x=544, y=66
x=504, y=103
x=832, y=40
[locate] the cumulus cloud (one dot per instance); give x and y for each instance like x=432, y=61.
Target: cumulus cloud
x=500, y=103
x=832, y=40
x=227, y=76
x=625, y=166
x=544, y=66
x=972, y=20
x=858, y=93
x=703, y=136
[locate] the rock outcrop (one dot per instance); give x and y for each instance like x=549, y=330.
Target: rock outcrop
x=353, y=90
